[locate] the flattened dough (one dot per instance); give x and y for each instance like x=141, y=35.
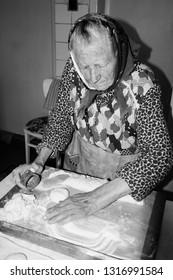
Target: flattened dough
x=60, y=194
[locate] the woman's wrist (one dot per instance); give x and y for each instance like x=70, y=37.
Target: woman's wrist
x=43, y=157
x=108, y=193
x=39, y=163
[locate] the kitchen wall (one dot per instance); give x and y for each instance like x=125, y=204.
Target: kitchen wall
x=150, y=23
x=25, y=60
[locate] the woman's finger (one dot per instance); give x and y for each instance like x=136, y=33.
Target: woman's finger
x=17, y=172
x=63, y=218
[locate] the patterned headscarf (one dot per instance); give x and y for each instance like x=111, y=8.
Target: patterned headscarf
x=120, y=43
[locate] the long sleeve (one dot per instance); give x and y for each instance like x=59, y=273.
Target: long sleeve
x=156, y=158
x=59, y=130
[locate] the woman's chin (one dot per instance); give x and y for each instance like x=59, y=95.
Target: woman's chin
x=102, y=86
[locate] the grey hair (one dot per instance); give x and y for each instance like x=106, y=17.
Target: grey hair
x=84, y=30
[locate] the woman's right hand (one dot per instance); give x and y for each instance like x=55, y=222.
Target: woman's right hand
x=21, y=169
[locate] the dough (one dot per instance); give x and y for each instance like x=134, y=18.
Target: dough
x=16, y=256
x=15, y=209
x=83, y=183
x=59, y=194
x=21, y=206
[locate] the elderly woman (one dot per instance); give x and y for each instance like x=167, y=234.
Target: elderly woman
x=108, y=119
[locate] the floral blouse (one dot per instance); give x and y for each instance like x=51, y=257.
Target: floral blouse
x=141, y=129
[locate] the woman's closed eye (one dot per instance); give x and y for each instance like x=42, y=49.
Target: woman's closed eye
x=95, y=67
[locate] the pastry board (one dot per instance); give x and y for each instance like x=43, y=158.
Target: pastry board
x=123, y=230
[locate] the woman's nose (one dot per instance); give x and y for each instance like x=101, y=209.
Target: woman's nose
x=94, y=75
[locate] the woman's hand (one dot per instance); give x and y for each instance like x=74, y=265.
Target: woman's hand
x=37, y=166
x=18, y=171
x=82, y=205
x=75, y=207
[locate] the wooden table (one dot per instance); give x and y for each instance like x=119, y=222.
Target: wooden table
x=140, y=223
x=165, y=245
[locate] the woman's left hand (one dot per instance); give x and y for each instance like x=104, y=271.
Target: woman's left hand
x=75, y=207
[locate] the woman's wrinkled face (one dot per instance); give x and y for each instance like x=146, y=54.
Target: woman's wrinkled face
x=96, y=62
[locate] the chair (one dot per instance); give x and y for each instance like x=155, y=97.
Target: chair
x=34, y=129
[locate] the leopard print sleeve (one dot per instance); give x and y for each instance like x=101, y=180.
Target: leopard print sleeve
x=156, y=158
x=59, y=130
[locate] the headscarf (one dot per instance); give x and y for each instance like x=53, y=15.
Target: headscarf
x=126, y=48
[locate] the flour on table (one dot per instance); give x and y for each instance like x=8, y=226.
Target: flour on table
x=84, y=183
x=94, y=233
x=129, y=199
x=21, y=206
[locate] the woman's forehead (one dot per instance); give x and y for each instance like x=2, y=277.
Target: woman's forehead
x=94, y=54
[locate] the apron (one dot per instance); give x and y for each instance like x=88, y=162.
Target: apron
x=85, y=158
